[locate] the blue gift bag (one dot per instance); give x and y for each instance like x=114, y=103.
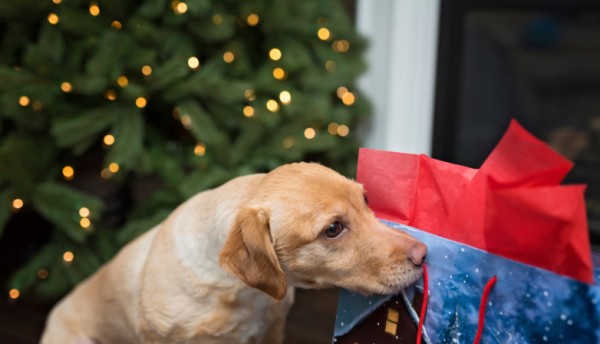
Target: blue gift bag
x=525, y=305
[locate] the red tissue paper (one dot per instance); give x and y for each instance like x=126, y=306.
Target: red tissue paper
x=513, y=206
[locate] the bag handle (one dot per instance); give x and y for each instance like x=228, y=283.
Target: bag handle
x=482, y=305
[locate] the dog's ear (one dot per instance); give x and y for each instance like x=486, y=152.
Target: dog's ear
x=249, y=253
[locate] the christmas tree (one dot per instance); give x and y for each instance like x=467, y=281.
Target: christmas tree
x=115, y=112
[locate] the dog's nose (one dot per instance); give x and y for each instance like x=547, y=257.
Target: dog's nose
x=418, y=253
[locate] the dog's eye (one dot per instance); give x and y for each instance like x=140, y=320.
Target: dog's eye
x=334, y=230
x=366, y=199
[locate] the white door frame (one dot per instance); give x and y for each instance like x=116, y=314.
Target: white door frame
x=400, y=82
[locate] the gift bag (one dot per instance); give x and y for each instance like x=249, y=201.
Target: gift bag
x=509, y=258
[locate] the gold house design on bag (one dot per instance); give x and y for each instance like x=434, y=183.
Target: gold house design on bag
x=392, y=322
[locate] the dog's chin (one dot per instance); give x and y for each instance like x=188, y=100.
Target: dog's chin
x=391, y=283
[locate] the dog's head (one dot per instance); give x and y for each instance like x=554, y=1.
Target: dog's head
x=308, y=226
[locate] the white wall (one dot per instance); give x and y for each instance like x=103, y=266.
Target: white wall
x=400, y=81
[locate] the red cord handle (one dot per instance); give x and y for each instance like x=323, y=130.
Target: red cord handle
x=482, y=305
x=424, y=305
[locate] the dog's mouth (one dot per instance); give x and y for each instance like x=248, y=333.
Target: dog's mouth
x=392, y=281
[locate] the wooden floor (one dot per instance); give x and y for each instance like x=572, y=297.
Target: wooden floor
x=309, y=322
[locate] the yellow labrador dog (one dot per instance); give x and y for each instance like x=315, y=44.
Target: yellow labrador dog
x=223, y=266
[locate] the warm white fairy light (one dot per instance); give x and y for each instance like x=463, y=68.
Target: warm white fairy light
x=122, y=81
x=332, y=128
x=146, y=70
x=53, y=18
x=179, y=7
x=310, y=133
x=186, y=120
x=199, y=149
x=340, y=46
x=84, y=212
x=275, y=54
x=141, y=102
x=285, y=97
x=115, y=24
x=341, y=91
x=278, y=73
x=17, y=203
x=68, y=256
x=330, y=65
x=248, y=111
x=57, y=1
x=253, y=19
x=42, y=274
x=110, y=95
x=217, y=19
x=228, y=57
x=94, y=9
x=37, y=105
x=85, y=223
x=249, y=94
x=272, y=105
x=287, y=143
x=348, y=98
x=193, y=62
x=113, y=167
x=343, y=130
x=108, y=140
x=24, y=101
x=14, y=293
x=324, y=34
x=66, y=87
x=68, y=172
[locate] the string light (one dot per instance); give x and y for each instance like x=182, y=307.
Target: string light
x=141, y=102
x=288, y=143
x=217, y=19
x=348, y=98
x=341, y=91
x=332, y=128
x=323, y=34
x=94, y=9
x=14, y=293
x=85, y=223
x=272, y=105
x=186, y=120
x=68, y=256
x=340, y=46
x=193, y=62
x=275, y=54
x=146, y=70
x=179, y=7
x=42, y=274
x=53, y=19
x=115, y=24
x=176, y=113
x=68, y=172
x=105, y=173
x=343, y=130
x=199, y=149
x=122, y=81
x=108, y=140
x=252, y=19
x=113, y=167
x=24, y=101
x=330, y=65
x=37, y=105
x=228, y=57
x=278, y=73
x=66, y=87
x=285, y=97
x=17, y=203
x=248, y=111
x=249, y=94
x=310, y=133
x=57, y=1
x=84, y=212
x=110, y=95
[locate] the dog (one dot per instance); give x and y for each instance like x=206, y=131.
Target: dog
x=223, y=266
